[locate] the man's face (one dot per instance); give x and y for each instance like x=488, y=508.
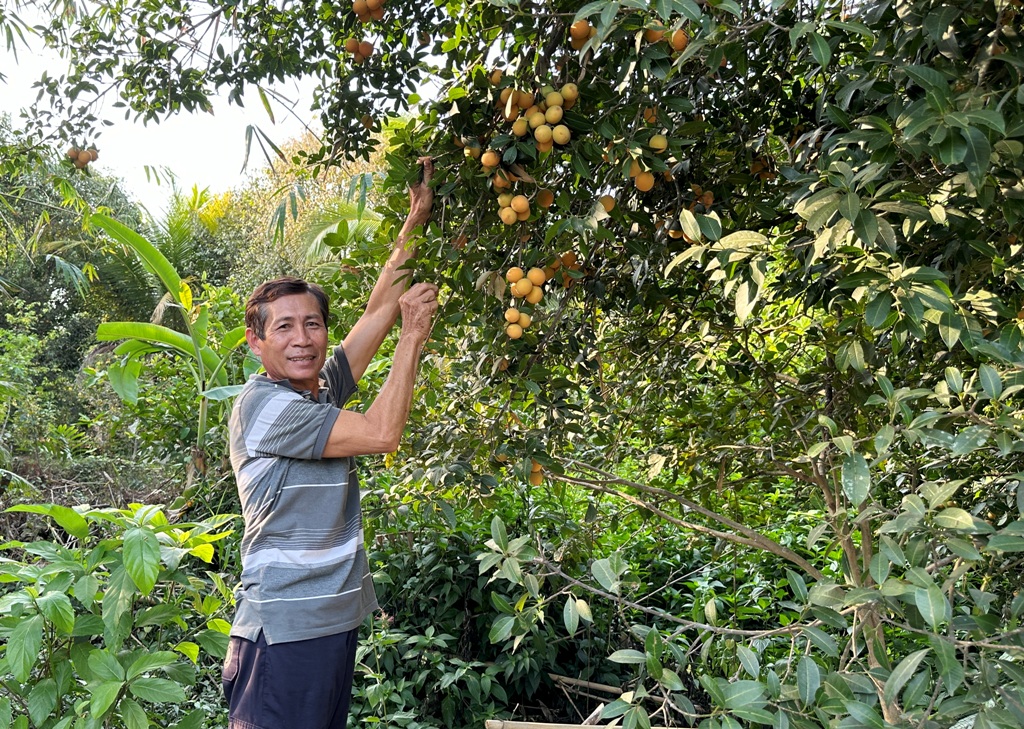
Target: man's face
x=295, y=347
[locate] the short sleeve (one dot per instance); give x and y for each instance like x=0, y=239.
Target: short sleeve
x=277, y=421
x=337, y=374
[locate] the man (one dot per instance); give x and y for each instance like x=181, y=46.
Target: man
x=306, y=585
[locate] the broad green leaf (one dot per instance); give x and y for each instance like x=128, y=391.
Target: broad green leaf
x=570, y=615
x=501, y=629
x=744, y=694
x=133, y=715
x=748, y=659
x=797, y=585
x=157, y=690
x=69, y=520
x=583, y=608
x=106, y=667
x=142, y=558
x=23, y=647
x=933, y=605
x=820, y=49
x=149, y=662
x=877, y=311
x=808, y=680
x=160, y=335
x=150, y=255
x=901, y=674
x=104, y=694
x=990, y=380
x=605, y=575
x=951, y=670
x=671, y=681
x=42, y=700
x=822, y=640
x=954, y=518
x=856, y=478
x=498, y=534
x=56, y=607
x=864, y=714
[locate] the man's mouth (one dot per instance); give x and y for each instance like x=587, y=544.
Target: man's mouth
x=308, y=358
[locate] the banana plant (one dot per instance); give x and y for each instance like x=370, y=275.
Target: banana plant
x=206, y=362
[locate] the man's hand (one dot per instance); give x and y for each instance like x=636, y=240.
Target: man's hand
x=421, y=197
x=418, y=304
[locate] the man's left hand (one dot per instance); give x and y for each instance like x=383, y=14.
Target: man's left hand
x=421, y=197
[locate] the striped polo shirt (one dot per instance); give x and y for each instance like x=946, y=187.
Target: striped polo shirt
x=304, y=568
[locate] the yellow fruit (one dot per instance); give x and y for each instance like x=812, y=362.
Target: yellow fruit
x=524, y=99
x=535, y=294
x=512, y=315
x=535, y=467
x=490, y=158
x=579, y=30
x=634, y=168
x=554, y=99
x=521, y=127
x=570, y=93
x=472, y=152
x=659, y=143
x=514, y=274
x=536, y=276
x=505, y=200
x=536, y=119
x=577, y=43
x=514, y=331
x=608, y=203
x=374, y=4
x=500, y=181
x=359, y=7
x=536, y=479
x=653, y=35
x=525, y=320
x=365, y=49
x=679, y=40
x=520, y=203
x=561, y=134
x=510, y=113
x=522, y=287
x=644, y=181
x=650, y=115
x=508, y=216
x=545, y=198
x=542, y=134
x=591, y=32
x=505, y=93
x=547, y=146
x=553, y=115
x=496, y=75
x=525, y=215
x=549, y=272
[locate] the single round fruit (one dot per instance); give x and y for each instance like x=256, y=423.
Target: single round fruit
x=659, y=143
x=535, y=294
x=644, y=181
x=542, y=134
x=561, y=134
x=514, y=331
x=73, y=153
x=579, y=30
x=496, y=75
x=536, y=479
x=366, y=48
x=508, y=216
x=374, y=4
x=520, y=203
x=536, y=276
x=512, y=315
x=545, y=198
x=366, y=120
x=359, y=7
x=577, y=43
x=522, y=287
x=499, y=181
x=358, y=58
x=554, y=99
x=505, y=93
x=377, y=13
x=570, y=92
x=524, y=99
x=679, y=40
x=352, y=45
x=553, y=115
x=544, y=147
x=490, y=158
x=536, y=119
x=525, y=320
x=634, y=168
x=650, y=115
x=510, y=113
x=521, y=127
x=525, y=215
x=608, y=203
x=569, y=258
x=653, y=35
x=472, y=152
x=514, y=274
x=505, y=200
x=535, y=467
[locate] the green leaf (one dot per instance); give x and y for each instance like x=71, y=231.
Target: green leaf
x=744, y=694
x=901, y=674
x=991, y=382
x=142, y=558
x=605, y=575
x=42, y=700
x=933, y=605
x=628, y=656
x=748, y=659
x=69, y=520
x=23, y=647
x=856, y=478
x=104, y=694
x=56, y=607
x=498, y=534
x=878, y=309
x=954, y=518
x=147, y=252
x=501, y=629
x=133, y=715
x=160, y=335
x=149, y=662
x=570, y=615
x=950, y=669
x=808, y=680
x=820, y=49
x=157, y=690
x=105, y=666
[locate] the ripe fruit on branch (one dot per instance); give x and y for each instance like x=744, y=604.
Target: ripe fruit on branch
x=658, y=143
x=536, y=276
x=644, y=181
x=514, y=331
x=496, y=75
x=512, y=315
x=561, y=134
x=580, y=30
x=508, y=216
x=679, y=40
x=653, y=35
x=545, y=198
x=514, y=274
x=542, y=134
x=608, y=203
x=570, y=92
x=490, y=158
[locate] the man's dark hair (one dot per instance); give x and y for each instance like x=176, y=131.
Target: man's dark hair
x=256, y=307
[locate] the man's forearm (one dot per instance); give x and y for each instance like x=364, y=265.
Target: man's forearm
x=394, y=277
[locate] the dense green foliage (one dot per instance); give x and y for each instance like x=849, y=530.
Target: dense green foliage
x=776, y=407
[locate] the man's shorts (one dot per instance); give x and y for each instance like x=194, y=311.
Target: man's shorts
x=305, y=684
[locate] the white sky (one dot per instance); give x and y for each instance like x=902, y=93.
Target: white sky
x=201, y=149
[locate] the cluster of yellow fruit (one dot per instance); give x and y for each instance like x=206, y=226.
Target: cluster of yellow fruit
x=360, y=50
x=539, y=114
x=515, y=208
x=678, y=40
x=580, y=32
x=367, y=10
x=658, y=144
x=82, y=157
x=536, y=473
x=526, y=285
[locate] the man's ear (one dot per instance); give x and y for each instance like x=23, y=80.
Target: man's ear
x=253, y=341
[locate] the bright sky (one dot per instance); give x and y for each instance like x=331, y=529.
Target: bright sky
x=201, y=149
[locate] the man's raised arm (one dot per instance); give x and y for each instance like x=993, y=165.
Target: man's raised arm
x=363, y=341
